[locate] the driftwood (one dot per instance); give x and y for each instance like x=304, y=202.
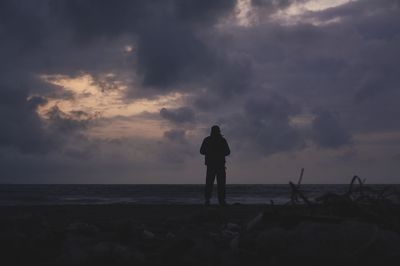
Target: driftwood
x=301, y=177
x=360, y=182
x=296, y=192
x=358, y=202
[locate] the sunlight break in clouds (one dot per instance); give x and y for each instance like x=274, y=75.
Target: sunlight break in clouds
x=246, y=15
x=294, y=13
x=316, y=5
x=90, y=98
x=123, y=118
x=243, y=13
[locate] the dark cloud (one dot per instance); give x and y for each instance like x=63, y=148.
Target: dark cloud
x=178, y=115
x=68, y=123
x=36, y=101
x=177, y=59
x=175, y=135
x=21, y=127
x=23, y=130
x=328, y=132
x=264, y=126
x=169, y=47
x=342, y=59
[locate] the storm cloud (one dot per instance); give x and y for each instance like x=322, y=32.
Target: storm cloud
x=178, y=115
x=287, y=79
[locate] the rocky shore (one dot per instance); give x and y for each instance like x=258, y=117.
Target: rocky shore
x=196, y=235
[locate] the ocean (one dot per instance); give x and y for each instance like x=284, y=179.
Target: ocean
x=11, y=195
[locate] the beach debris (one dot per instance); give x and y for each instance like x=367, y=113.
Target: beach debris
x=357, y=195
x=300, y=177
x=358, y=202
x=296, y=192
x=354, y=194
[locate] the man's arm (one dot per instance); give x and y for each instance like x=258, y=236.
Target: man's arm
x=227, y=151
x=203, y=147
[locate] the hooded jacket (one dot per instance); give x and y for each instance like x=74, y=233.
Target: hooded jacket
x=215, y=148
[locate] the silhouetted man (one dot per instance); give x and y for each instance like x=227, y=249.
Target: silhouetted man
x=215, y=148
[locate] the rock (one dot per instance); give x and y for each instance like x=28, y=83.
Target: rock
x=148, y=235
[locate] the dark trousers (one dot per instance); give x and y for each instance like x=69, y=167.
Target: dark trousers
x=212, y=172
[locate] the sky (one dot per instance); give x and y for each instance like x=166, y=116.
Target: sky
x=124, y=91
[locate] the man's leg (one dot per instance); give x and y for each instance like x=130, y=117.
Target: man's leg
x=221, y=181
x=210, y=177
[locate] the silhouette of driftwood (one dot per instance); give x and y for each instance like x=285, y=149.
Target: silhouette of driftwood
x=354, y=194
x=358, y=202
x=297, y=193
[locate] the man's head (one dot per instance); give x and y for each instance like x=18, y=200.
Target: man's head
x=215, y=131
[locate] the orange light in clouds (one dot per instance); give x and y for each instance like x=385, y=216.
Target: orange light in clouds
x=89, y=97
x=93, y=99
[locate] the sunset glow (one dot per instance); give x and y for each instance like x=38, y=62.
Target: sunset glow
x=89, y=97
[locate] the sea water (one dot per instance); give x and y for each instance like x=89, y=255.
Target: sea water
x=157, y=194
